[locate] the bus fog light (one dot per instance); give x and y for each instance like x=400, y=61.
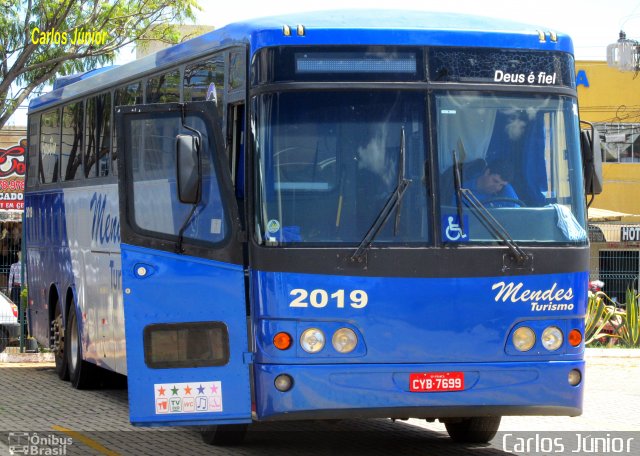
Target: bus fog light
x=344, y=340
x=283, y=382
x=312, y=340
x=552, y=338
x=524, y=339
x=575, y=377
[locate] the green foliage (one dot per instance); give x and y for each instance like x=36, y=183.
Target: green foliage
x=623, y=325
x=629, y=329
x=599, y=314
x=25, y=66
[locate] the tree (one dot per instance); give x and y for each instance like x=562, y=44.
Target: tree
x=43, y=39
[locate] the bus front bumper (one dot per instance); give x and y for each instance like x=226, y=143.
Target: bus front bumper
x=339, y=391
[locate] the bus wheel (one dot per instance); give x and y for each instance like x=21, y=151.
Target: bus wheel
x=480, y=429
x=224, y=435
x=81, y=373
x=57, y=340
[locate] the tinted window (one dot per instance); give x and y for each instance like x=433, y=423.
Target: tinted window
x=98, y=136
x=124, y=96
x=71, y=158
x=49, y=146
x=151, y=147
x=90, y=139
x=164, y=88
x=33, y=145
x=204, y=81
x=103, y=142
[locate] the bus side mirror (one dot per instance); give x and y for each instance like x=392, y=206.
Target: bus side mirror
x=592, y=161
x=188, y=168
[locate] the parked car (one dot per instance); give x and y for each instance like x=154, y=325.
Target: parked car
x=9, y=327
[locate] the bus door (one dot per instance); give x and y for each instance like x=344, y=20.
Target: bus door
x=182, y=269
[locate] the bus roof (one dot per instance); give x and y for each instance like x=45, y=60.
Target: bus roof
x=344, y=27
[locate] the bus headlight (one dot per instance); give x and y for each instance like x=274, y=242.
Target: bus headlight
x=312, y=340
x=552, y=338
x=344, y=340
x=524, y=339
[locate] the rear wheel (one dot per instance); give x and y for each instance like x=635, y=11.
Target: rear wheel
x=83, y=375
x=480, y=429
x=224, y=435
x=57, y=339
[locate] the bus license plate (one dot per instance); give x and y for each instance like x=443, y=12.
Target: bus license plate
x=436, y=381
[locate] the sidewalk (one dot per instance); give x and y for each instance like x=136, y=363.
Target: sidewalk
x=13, y=355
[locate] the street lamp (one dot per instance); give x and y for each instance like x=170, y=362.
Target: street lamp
x=625, y=54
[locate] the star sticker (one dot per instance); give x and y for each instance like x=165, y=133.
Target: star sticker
x=214, y=389
x=174, y=390
x=201, y=389
x=161, y=391
x=187, y=390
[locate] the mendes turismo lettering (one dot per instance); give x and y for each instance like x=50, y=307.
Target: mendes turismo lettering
x=105, y=227
x=550, y=299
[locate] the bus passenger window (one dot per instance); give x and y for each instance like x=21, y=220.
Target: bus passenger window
x=204, y=81
x=124, y=96
x=71, y=157
x=104, y=133
x=34, y=136
x=90, y=138
x=164, y=88
x=49, y=146
x=98, y=136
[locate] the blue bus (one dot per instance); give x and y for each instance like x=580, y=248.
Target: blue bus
x=319, y=216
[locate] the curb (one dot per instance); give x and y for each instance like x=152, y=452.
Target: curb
x=26, y=357
x=612, y=353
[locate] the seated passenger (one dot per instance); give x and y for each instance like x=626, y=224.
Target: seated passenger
x=491, y=184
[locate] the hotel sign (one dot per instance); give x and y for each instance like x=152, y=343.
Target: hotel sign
x=630, y=233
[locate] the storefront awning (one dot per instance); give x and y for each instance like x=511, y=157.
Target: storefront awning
x=605, y=215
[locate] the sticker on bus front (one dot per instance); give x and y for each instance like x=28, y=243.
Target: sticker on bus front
x=194, y=397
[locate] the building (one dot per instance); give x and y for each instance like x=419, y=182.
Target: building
x=12, y=169
x=610, y=99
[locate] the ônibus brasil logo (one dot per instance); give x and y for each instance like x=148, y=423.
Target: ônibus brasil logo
x=551, y=299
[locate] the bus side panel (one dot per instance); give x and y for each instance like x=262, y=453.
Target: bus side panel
x=48, y=262
x=67, y=251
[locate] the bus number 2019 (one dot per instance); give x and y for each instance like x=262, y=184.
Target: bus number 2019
x=320, y=298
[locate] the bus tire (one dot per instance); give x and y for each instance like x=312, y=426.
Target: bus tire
x=57, y=336
x=224, y=435
x=479, y=429
x=82, y=374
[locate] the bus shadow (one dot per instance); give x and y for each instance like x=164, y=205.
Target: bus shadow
x=354, y=437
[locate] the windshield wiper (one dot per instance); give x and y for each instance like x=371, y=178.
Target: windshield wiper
x=483, y=214
x=393, y=202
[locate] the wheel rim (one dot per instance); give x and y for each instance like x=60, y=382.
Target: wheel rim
x=73, y=342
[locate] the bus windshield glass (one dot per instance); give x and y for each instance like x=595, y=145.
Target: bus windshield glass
x=328, y=162
x=516, y=155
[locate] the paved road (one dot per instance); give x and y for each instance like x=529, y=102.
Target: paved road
x=35, y=407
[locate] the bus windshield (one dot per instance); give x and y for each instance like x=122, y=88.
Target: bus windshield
x=519, y=157
x=329, y=161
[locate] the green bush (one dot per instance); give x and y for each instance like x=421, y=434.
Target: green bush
x=621, y=325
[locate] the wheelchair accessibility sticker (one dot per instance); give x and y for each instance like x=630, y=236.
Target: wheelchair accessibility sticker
x=452, y=231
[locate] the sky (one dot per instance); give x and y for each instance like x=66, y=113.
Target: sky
x=592, y=24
